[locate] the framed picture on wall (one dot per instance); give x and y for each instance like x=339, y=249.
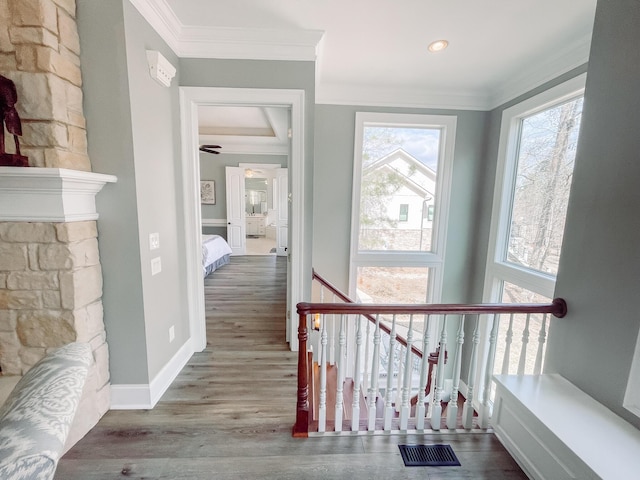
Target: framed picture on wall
x=208, y=192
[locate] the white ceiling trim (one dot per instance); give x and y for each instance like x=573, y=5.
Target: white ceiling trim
x=161, y=17
x=336, y=94
x=249, y=43
x=542, y=71
x=189, y=41
x=305, y=45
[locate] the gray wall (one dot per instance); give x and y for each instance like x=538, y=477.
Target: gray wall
x=133, y=132
x=333, y=177
x=599, y=271
x=157, y=153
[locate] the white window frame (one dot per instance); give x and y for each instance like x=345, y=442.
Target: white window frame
x=434, y=259
x=499, y=270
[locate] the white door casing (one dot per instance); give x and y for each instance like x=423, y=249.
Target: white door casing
x=190, y=99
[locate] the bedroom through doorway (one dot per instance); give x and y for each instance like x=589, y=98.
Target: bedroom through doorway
x=230, y=149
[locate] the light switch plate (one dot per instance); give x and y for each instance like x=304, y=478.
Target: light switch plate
x=156, y=265
x=154, y=241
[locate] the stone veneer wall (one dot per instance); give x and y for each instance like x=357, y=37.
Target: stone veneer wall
x=50, y=275
x=50, y=295
x=39, y=51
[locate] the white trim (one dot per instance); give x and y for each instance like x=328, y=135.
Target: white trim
x=190, y=99
x=378, y=96
x=161, y=17
x=134, y=396
x=37, y=194
x=249, y=43
x=192, y=41
x=146, y=396
x=214, y=222
x=552, y=65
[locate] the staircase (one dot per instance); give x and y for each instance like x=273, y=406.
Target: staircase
x=361, y=367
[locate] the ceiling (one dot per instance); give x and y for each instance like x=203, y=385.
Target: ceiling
x=374, y=52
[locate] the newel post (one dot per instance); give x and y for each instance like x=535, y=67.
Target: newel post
x=301, y=427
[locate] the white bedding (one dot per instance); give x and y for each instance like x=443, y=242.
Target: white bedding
x=215, y=252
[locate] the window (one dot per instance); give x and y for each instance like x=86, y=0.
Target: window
x=535, y=166
x=402, y=164
x=404, y=212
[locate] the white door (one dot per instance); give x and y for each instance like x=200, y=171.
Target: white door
x=282, y=220
x=236, y=228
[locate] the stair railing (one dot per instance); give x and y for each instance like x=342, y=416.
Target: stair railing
x=343, y=343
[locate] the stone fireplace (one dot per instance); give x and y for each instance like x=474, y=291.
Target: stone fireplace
x=50, y=273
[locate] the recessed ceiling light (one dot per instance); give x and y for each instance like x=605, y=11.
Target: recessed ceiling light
x=438, y=45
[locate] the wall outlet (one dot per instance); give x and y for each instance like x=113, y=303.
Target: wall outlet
x=156, y=265
x=172, y=333
x=154, y=241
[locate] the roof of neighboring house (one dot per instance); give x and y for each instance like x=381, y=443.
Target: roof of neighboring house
x=416, y=175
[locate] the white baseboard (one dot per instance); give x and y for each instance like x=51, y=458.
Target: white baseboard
x=145, y=396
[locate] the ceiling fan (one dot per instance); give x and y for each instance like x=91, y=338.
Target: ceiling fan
x=209, y=148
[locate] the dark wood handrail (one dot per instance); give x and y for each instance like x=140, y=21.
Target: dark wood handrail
x=557, y=307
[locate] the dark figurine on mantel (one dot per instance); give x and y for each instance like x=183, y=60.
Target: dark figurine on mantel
x=9, y=117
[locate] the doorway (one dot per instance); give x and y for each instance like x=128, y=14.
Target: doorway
x=190, y=99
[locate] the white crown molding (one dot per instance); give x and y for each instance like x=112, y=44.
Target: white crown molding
x=305, y=45
x=33, y=194
x=189, y=41
x=539, y=72
x=163, y=20
x=249, y=43
x=336, y=94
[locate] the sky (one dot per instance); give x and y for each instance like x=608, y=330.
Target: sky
x=421, y=143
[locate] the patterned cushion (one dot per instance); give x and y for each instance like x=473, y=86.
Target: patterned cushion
x=37, y=415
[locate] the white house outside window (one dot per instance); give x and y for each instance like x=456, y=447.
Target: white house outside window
x=402, y=171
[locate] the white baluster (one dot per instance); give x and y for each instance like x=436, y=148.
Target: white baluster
x=388, y=407
x=452, y=407
x=340, y=364
x=322, y=405
x=367, y=343
x=401, y=355
x=507, y=348
x=542, y=338
x=355, y=405
x=421, y=406
x=405, y=408
x=436, y=412
x=332, y=336
x=467, y=410
x=484, y=415
x=373, y=384
x=525, y=342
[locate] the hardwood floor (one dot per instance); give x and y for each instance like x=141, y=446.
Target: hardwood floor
x=229, y=413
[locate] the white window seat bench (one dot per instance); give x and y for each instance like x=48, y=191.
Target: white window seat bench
x=556, y=431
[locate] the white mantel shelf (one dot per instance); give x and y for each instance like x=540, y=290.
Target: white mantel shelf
x=34, y=194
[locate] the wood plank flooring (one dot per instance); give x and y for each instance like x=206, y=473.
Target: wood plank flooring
x=229, y=413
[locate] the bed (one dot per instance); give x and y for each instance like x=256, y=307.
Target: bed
x=215, y=253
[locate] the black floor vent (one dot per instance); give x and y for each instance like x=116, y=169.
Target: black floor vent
x=428, y=456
